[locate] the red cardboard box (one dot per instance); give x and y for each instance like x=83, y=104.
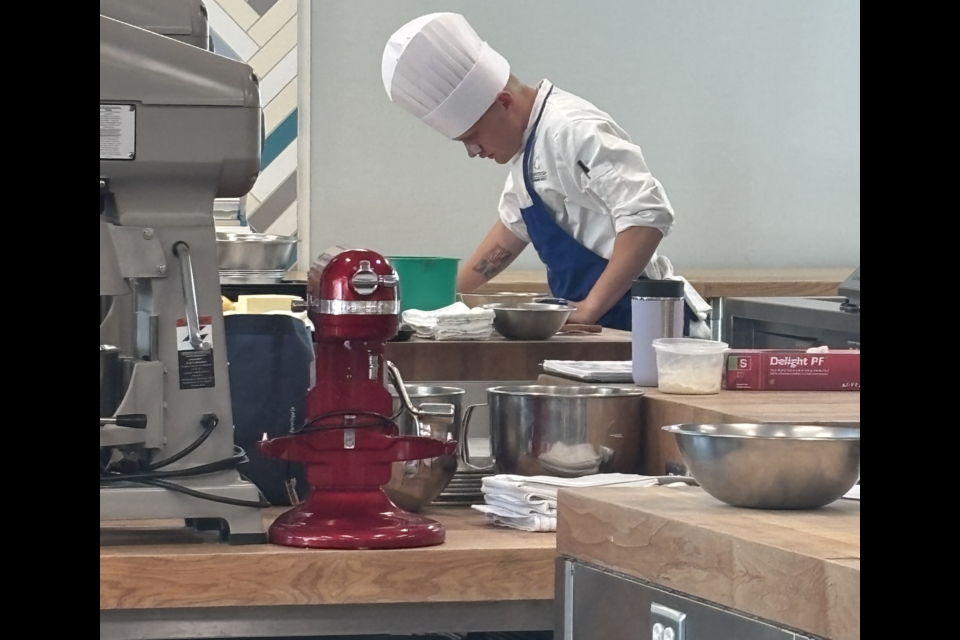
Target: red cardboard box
x=772, y=370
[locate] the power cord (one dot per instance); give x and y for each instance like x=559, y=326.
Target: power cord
x=209, y=422
x=382, y=421
x=238, y=458
x=151, y=475
x=170, y=486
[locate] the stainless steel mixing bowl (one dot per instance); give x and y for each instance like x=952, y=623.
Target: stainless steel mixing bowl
x=416, y=484
x=771, y=466
x=529, y=321
x=474, y=300
x=243, y=252
x=568, y=432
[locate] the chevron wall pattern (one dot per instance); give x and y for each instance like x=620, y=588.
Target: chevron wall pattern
x=263, y=33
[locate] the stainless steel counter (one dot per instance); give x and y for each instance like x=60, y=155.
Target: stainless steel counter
x=789, y=323
x=598, y=604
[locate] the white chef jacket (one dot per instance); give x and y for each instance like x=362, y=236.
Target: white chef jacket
x=618, y=193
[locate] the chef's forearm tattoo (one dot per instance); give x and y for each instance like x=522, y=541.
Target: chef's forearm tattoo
x=493, y=262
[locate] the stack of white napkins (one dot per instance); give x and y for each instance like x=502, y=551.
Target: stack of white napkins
x=456, y=322
x=530, y=504
x=611, y=372
x=854, y=494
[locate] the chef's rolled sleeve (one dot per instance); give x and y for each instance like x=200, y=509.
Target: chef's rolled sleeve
x=617, y=180
x=510, y=211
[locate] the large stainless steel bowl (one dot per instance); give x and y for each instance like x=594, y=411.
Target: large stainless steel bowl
x=474, y=300
x=771, y=466
x=529, y=321
x=246, y=252
x=566, y=432
x=416, y=484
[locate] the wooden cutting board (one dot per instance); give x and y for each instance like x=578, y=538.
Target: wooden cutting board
x=798, y=570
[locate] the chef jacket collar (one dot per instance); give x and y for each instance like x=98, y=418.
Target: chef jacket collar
x=543, y=90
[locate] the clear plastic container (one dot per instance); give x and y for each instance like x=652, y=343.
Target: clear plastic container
x=690, y=367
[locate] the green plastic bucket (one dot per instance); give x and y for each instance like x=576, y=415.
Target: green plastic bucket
x=426, y=284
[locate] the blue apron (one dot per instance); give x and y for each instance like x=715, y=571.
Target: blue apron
x=572, y=269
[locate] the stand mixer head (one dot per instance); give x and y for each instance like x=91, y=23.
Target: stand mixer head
x=350, y=442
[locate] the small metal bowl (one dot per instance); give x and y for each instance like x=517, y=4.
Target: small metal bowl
x=771, y=466
x=255, y=252
x=529, y=321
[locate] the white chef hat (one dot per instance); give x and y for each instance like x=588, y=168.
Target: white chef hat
x=437, y=68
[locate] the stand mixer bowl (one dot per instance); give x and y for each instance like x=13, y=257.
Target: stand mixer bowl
x=416, y=484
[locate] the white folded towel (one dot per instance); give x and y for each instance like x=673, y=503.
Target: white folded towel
x=530, y=503
x=456, y=322
x=592, y=371
x=520, y=509
x=664, y=270
x=854, y=494
x=532, y=524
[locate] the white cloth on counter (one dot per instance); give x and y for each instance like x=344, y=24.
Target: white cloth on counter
x=530, y=503
x=456, y=322
x=592, y=371
x=662, y=269
x=854, y=494
x=531, y=524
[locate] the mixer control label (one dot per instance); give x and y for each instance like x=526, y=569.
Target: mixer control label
x=118, y=132
x=197, y=367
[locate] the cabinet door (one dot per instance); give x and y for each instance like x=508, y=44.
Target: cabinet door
x=598, y=605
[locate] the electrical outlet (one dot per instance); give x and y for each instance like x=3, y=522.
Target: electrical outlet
x=668, y=624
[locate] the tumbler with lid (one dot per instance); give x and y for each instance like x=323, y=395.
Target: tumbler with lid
x=658, y=308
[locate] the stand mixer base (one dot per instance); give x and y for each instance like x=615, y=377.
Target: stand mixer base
x=354, y=520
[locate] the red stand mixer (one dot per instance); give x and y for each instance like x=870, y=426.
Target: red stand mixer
x=351, y=441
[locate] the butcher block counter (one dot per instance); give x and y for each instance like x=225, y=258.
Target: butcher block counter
x=710, y=283
x=166, y=582
x=158, y=583
x=799, y=571
x=500, y=359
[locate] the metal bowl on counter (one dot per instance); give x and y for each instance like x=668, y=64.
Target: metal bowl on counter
x=530, y=321
x=566, y=432
x=771, y=466
x=416, y=484
x=475, y=300
x=255, y=252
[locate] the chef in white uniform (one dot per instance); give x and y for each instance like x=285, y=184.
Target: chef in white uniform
x=579, y=190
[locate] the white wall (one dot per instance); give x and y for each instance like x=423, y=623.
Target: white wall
x=747, y=110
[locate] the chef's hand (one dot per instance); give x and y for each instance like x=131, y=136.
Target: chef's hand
x=585, y=313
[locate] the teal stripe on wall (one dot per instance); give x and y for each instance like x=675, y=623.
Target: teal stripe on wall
x=280, y=139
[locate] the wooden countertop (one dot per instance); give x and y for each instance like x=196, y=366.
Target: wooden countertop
x=712, y=283
x=143, y=568
x=799, y=570
x=163, y=569
x=783, y=407
x=499, y=359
